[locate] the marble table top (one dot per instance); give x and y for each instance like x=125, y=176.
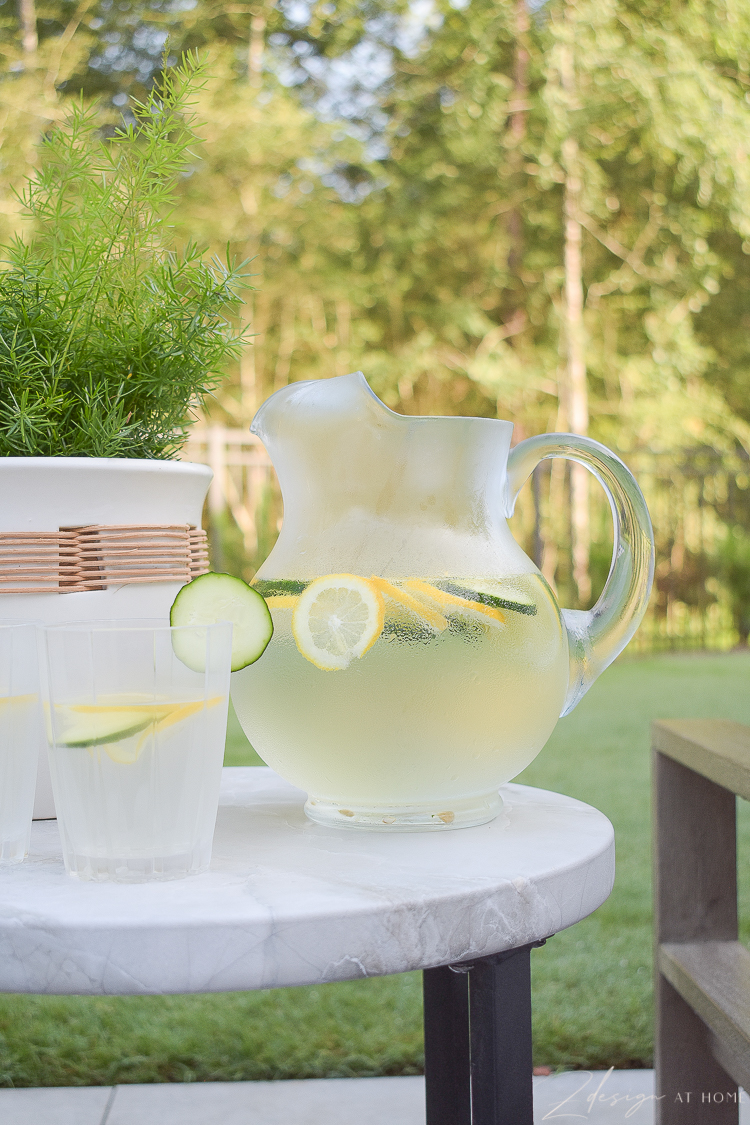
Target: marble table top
x=289, y=902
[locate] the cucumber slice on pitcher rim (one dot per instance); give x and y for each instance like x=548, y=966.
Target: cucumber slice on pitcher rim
x=212, y=598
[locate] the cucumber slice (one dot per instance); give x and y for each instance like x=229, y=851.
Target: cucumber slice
x=211, y=598
x=104, y=727
x=488, y=593
x=273, y=587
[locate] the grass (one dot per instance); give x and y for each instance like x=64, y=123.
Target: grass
x=592, y=983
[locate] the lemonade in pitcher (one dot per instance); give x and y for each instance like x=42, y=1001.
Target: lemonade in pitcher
x=419, y=659
x=397, y=673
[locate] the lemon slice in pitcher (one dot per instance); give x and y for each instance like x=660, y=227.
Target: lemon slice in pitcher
x=337, y=618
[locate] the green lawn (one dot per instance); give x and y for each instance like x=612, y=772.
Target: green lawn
x=592, y=984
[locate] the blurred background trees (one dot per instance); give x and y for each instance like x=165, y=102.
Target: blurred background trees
x=533, y=209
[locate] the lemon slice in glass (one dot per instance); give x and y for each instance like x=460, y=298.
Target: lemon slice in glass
x=337, y=618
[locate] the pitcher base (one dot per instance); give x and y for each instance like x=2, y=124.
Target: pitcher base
x=465, y=813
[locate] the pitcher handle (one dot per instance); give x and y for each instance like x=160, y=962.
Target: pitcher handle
x=598, y=635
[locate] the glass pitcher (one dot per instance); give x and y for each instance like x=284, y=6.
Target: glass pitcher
x=419, y=659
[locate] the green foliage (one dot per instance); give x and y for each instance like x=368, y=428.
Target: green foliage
x=440, y=273
x=433, y=258
x=108, y=340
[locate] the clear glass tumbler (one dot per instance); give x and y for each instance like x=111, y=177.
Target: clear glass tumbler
x=136, y=745
x=21, y=738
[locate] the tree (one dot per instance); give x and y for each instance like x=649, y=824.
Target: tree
x=623, y=158
x=269, y=183
x=542, y=214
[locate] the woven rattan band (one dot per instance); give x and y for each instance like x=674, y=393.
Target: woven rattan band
x=76, y=559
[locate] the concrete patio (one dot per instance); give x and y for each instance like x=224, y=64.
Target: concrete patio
x=600, y=1098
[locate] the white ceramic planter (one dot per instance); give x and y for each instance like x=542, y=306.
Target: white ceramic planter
x=49, y=493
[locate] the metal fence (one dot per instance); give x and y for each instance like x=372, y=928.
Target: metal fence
x=694, y=497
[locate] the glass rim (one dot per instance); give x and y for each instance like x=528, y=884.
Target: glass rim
x=136, y=625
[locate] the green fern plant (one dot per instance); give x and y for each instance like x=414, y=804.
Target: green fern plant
x=108, y=339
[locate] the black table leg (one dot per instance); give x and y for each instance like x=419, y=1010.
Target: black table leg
x=501, y=1064
x=446, y=1046
x=478, y=1062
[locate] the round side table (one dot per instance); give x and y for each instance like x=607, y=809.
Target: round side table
x=288, y=902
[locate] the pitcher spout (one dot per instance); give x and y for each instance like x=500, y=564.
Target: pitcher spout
x=344, y=400
x=345, y=461
x=339, y=434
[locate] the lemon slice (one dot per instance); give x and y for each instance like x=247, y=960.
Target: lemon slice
x=402, y=597
x=9, y=701
x=337, y=618
x=281, y=601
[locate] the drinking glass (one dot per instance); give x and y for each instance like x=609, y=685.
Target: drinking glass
x=21, y=737
x=136, y=745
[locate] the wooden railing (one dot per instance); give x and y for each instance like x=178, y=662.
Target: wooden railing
x=702, y=1049
x=242, y=473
